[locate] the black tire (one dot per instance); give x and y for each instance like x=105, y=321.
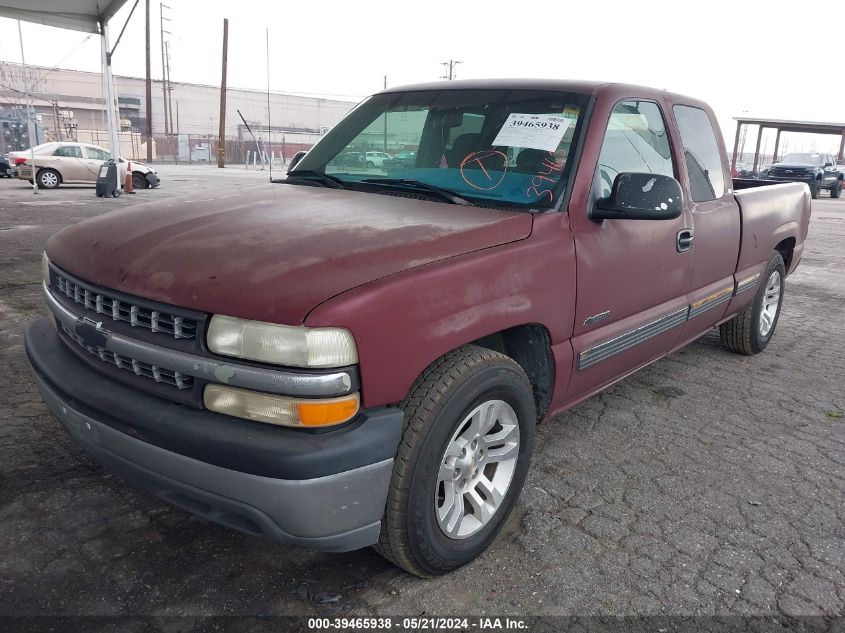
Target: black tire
x=139, y=181
x=815, y=189
x=435, y=410
x=48, y=179
x=370, y=164
x=742, y=334
x=836, y=189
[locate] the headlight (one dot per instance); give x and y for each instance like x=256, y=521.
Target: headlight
x=281, y=410
x=281, y=344
x=45, y=268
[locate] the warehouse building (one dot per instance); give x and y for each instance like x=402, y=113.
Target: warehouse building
x=69, y=105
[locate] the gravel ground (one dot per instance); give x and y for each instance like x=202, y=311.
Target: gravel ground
x=708, y=483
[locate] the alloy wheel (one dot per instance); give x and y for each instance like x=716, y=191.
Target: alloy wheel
x=477, y=468
x=771, y=304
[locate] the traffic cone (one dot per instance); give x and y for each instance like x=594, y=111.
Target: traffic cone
x=127, y=183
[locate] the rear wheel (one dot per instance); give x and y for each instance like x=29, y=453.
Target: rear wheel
x=139, y=181
x=465, y=451
x=48, y=179
x=750, y=332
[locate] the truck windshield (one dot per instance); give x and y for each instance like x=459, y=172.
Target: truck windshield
x=803, y=159
x=507, y=148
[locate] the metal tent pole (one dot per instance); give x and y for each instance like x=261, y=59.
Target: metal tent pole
x=108, y=93
x=30, y=122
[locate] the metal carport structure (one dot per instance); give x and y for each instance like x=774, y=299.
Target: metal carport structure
x=783, y=125
x=89, y=16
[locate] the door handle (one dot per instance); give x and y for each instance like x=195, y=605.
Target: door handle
x=683, y=241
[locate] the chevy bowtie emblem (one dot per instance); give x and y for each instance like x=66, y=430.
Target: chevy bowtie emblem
x=91, y=332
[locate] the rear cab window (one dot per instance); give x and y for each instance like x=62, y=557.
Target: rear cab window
x=701, y=153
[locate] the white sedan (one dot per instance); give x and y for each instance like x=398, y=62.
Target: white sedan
x=376, y=159
x=75, y=163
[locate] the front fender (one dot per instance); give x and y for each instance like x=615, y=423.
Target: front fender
x=404, y=322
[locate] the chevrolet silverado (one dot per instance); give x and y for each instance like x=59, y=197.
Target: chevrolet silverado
x=349, y=358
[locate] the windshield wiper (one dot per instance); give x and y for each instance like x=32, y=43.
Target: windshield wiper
x=418, y=185
x=329, y=181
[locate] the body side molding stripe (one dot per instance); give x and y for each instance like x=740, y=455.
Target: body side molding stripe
x=746, y=284
x=623, y=342
x=710, y=301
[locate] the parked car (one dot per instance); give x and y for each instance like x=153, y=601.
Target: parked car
x=7, y=169
x=817, y=170
x=349, y=360
x=375, y=159
x=75, y=163
x=400, y=162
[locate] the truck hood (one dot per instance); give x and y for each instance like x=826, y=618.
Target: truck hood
x=275, y=253
x=797, y=166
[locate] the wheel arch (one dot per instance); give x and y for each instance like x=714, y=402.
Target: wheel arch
x=786, y=248
x=142, y=175
x=530, y=346
x=53, y=169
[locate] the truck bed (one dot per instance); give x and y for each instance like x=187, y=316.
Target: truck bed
x=770, y=214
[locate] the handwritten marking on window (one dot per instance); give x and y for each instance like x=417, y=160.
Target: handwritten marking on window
x=544, y=179
x=476, y=169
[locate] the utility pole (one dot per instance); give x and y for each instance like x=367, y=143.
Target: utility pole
x=221, y=137
x=57, y=121
x=451, y=64
x=385, y=118
x=149, y=94
x=169, y=85
x=161, y=8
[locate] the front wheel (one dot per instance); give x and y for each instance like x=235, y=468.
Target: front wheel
x=139, y=181
x=465, y=451
x=750, y=332
x=815, y=190
x=836, y=189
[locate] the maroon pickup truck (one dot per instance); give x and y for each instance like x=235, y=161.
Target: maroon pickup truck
x=356, y=357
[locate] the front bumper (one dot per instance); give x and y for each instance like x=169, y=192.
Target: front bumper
x=808, y=179
x=321, y=490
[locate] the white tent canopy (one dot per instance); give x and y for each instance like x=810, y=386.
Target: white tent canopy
x=76, y=15
x=89, y=16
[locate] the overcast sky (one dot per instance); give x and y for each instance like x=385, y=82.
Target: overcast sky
x=744, y=58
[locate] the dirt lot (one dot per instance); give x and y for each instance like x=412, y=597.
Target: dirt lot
x=708, y=483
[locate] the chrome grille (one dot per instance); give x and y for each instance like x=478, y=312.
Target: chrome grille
x=789, y=171
x=173, y=378
x=137, y=316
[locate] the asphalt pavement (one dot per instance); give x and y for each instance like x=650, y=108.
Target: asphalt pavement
x=708, y=483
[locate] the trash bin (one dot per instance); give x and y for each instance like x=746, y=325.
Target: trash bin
x=107, y=180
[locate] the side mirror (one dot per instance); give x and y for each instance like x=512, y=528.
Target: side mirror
x=641, y=197
x=296, y=158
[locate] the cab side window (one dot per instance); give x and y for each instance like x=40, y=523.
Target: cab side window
x=69, y=151
x=701, y=154
x=635, y=141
